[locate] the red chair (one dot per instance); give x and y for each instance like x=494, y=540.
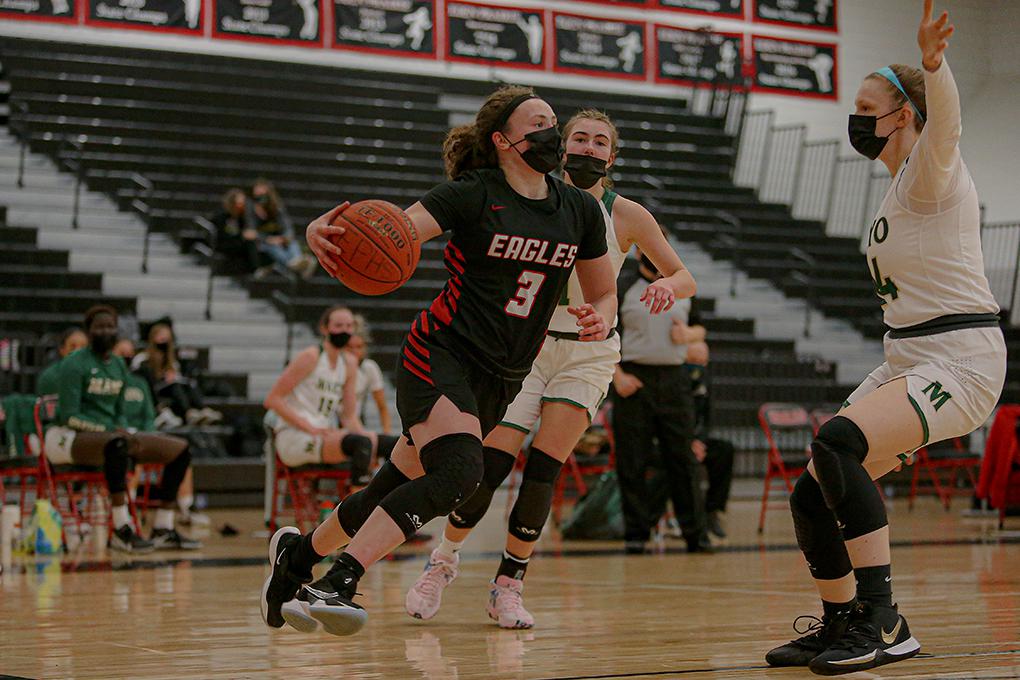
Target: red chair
x=149, y=475
x=23, y=473
x=788, y=429
x=79, y=482
x=999, y=482
x=301, y=485
x=954, y=460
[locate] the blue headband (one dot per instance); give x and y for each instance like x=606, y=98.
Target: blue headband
x=889, y=75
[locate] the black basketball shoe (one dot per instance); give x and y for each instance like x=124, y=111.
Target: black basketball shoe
x=330, y=601
x=169, y=539
x=875, y=636
x=126, y=540
x=819, y=633
x=281, y=585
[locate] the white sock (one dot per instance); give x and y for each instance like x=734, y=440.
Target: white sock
x=449, y=548
x=164, y=519
x=121, y=516
x=185, y=502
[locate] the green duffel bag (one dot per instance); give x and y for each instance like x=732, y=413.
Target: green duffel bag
x=598, y=515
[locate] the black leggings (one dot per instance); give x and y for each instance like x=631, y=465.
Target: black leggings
x=113, y=451
x=181, y=396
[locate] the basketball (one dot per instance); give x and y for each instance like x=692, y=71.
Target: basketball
x=380, y=247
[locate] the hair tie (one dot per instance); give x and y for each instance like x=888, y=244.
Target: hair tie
x=890, y=75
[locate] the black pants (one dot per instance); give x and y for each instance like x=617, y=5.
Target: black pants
x=181, y=396
x=242, y=250
x=719, y=466
x=662, y=410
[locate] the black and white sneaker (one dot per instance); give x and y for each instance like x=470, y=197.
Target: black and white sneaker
x=281, y=585
x=125, y=540
x=330, y=601
x=817, y=635
x=169, y=539
x=875, y=636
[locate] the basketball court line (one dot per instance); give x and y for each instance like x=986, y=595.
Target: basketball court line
x=126, y=564
x=733, y=669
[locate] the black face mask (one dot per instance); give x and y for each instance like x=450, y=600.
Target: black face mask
x=584, y=170
x=863, y=137
x=646, y=264
x=262, y=200
x=545, y=151
x=162, y=346
x=339, y=340
x=102, y=343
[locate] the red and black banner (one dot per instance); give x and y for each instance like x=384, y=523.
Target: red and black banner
x=40, y=10
x=495, y=35
x=286, y=21
x=592, y=45
x=807, y=69
x=724, y=9
x=395, y=27
x=688, y=56
x=179, y=16
x=817, y=14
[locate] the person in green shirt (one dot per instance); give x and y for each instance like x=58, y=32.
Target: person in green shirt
x=71, y=340
x=91, y=429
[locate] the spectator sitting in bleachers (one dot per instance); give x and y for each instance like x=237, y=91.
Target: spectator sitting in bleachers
x=318, y=385
x=71, y=340
x=159, y=366
x=90, y=430
x=140, y=416
x=235, y=236
x=268, y=216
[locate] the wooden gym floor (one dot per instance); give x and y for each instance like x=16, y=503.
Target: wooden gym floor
x=600, y=613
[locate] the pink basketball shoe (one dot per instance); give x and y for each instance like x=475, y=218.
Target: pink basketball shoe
x=506, y=606
x=425, y=596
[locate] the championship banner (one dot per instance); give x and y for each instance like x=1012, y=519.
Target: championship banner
x=686, y=56
x=592, y=45
x=817, y=14
x=724, y=9
x=397, y=27
x=290, y=21
x=495, y=35
x=181, y=16
x=39, y=10
x=806, y=69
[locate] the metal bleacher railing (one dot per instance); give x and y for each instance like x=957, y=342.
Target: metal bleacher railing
x=844, y=193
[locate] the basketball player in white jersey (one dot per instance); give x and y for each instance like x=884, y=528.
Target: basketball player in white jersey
x=945, y=359
x=317, y=384
x=566, y=385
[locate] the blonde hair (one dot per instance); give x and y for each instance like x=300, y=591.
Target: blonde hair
x=469, y=146
x=361, y=328
x=160, y=361
x=912, y=80
x=602, y=117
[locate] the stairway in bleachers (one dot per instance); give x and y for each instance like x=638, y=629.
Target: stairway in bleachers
x=197, y=124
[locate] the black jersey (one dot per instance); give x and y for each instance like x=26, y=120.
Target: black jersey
x=509, y=259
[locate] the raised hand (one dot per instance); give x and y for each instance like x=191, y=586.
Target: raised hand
x=658, y=297
x=593, y=326
x=317, y=235
x=933, y=37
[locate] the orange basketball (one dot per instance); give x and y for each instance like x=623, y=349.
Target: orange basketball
x=380, y=247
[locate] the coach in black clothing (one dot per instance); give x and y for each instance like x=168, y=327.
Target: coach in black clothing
x=654, y=401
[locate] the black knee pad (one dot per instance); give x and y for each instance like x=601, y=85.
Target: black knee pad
x=498, y=465
x=818, y=534
x=385, y=445
x=358, y=449
x=453, y=470
x=531, y=509
x=115, y=464
x=838, y=447
x=838, y=453
x=356, y=508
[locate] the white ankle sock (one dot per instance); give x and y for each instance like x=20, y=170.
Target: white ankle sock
x=448, y=547
x=164, y=519
x=185, y=502
x=121, y=516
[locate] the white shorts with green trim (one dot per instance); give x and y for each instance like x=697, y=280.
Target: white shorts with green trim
x=296, y=447
x=565, y=371
x=57, y=444
x=954, y=379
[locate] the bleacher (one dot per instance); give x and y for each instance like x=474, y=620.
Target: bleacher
x=194, y=125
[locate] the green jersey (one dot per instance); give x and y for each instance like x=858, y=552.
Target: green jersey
x=48, y=381
x=91, y=394
x=139, y=411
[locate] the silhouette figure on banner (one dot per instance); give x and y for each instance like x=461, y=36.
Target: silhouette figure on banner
x=630, y=47
x=418, y=23
x=310, y=29
x=534, y=32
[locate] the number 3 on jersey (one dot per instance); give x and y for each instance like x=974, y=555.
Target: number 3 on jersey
x=520, y=304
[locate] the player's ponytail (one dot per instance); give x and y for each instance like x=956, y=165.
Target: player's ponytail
x=470, y=147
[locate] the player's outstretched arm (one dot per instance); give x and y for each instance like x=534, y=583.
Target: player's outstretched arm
x=677, y=281
x=598, y=284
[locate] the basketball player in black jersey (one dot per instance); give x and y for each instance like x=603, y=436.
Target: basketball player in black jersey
x=516, y=235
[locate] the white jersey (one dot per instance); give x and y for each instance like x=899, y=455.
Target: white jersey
x=369, y=380
x=317, y=397
x=924, y=247
x=563, y=321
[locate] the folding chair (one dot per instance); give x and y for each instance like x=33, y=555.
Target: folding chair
x=788, y=429
x=21, y=469
x=954, y=459
x=301, y=484
x=80, y=483
x=1000, y=468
